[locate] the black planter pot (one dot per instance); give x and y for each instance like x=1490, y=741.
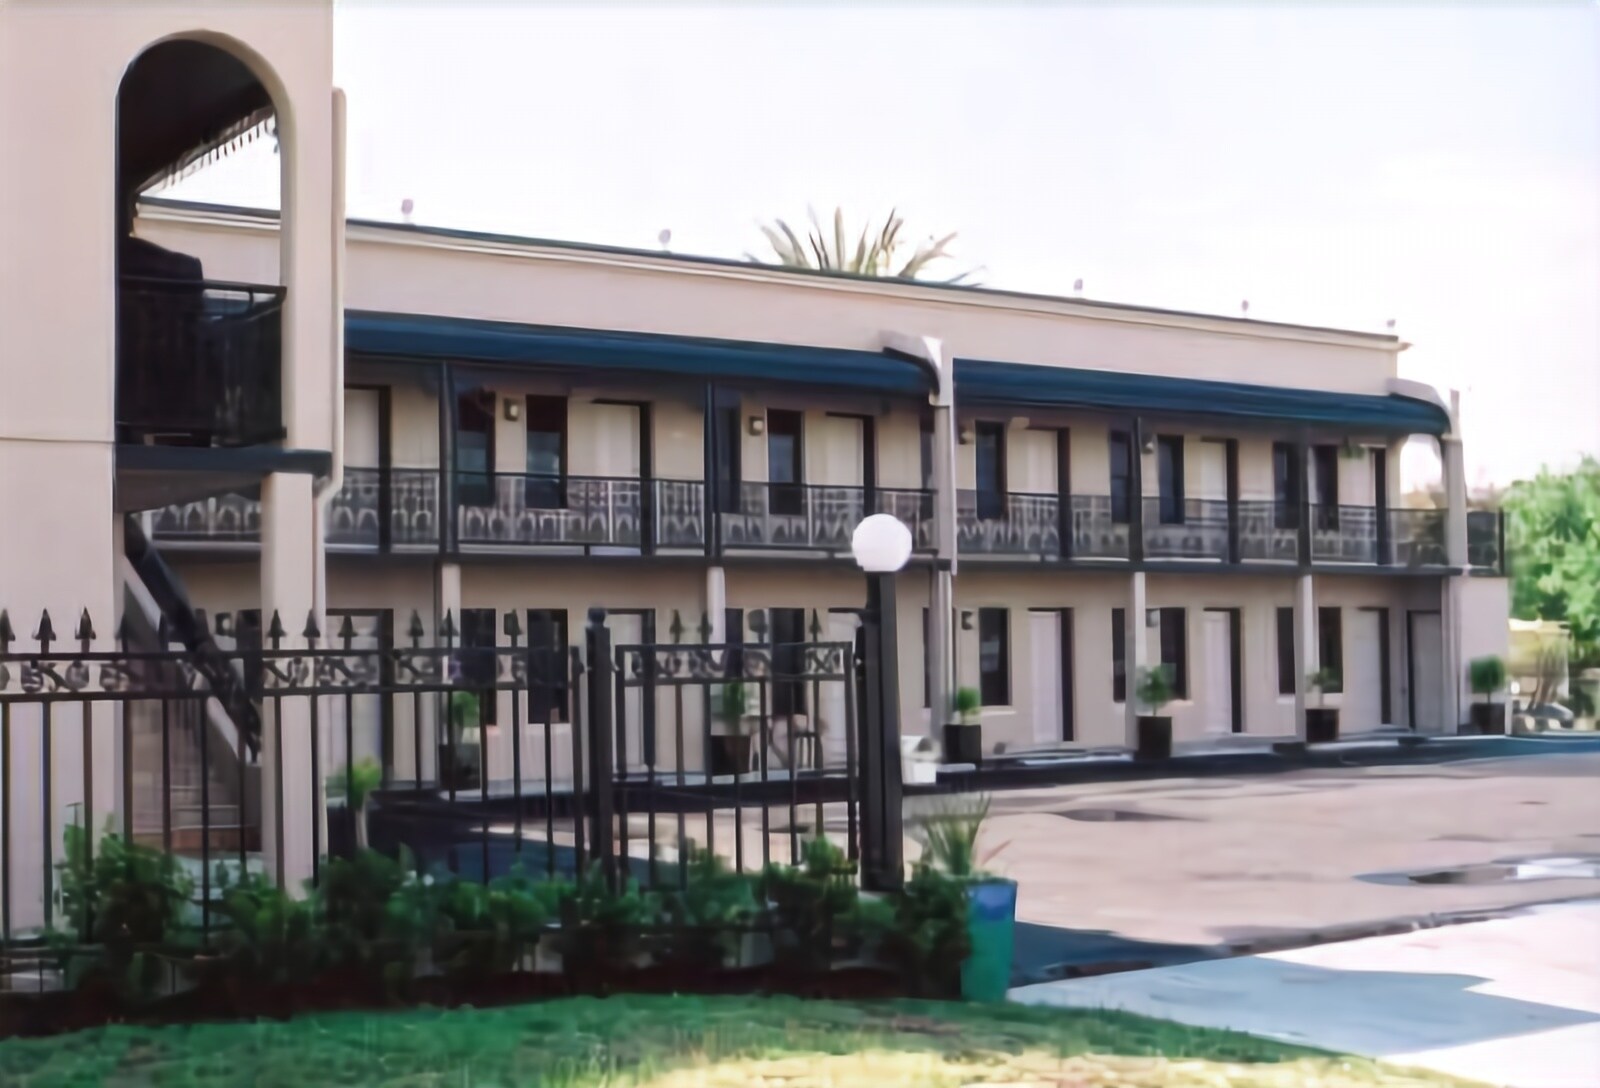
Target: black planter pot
x=1488, y=718
x=458, y=766
x=730, y=753
x=963, y=743
x=1155, y=737
x=1322, y=725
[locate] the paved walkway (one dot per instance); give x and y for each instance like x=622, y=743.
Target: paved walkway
x=1514, y=1001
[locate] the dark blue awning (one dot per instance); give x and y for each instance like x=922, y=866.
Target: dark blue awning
x=979, y=382
x=420, y=336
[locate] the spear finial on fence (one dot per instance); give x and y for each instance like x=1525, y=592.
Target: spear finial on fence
x=7, y=635
x=511, y=626
x=275, y=631
x=85, y=631
x=705, y=628
x=675, y=628
x=447, y=629
x=415, y=630
x=312, y=631
x=46, y=634
x=347, y=631
x=126, y=632
x=816, y=626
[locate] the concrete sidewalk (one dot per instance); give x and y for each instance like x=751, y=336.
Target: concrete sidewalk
x=1514, y=1001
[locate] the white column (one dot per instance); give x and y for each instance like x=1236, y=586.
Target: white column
x=941, y=649
x=1135, y=654
x=1452, y=670
x=717, y=602
x=1453, y=471
x=447, y=596
x=291, y=803
x=1305, y=646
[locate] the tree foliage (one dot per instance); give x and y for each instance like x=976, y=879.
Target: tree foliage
x=876, y=251
x=1553, y=534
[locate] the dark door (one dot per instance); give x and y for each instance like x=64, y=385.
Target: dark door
x=475, y=448
x=991, y=469
x=788, y=657
x=546, y=487
x=785, y=461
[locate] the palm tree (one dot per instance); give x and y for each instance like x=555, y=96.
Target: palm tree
x=876, y=252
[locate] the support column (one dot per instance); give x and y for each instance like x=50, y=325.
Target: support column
x=941, y=664
x=291, y=804
x=1135, y=654
x=717, y=602
x=941, y=654
x=447, y=595
x=1305, y=644
x=1453, y=470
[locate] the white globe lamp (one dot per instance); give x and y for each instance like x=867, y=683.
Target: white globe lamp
x=881, y=544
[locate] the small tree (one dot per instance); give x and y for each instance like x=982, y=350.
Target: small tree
x=1154, y=689
x=1487, y=675
x=969, y=703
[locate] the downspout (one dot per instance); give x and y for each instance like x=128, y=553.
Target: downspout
x=325, y=490
x=928, y=354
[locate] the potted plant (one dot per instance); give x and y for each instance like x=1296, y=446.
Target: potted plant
x=1154, y=692
x=1322, y=722
x=730, y=749
x=963, y=739
x=460, y=756
x=1487, y=675
x=354, y=785
x=950, y=832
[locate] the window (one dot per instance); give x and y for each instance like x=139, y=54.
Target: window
x=726, y=448
x=546, y=486
x=1175, y=650
x=1325, y=485
x=475, y=448
x=785, y=456
x=1169, y=468
x=1119, y=655
x=1285, y=651
x=548, y=675
x=733, y=635
x=1121, y=477
x=994, y=657
x=477, y=661
x=1286, y=481
x=990, y=455
x=1330, y=645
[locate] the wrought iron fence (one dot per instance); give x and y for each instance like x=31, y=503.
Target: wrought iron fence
x=1009, y=523
x=473, y=756
x=1345, y=534
x=526, y=509
x=1269, y=531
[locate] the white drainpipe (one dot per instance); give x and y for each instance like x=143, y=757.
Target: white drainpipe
x=329, y=487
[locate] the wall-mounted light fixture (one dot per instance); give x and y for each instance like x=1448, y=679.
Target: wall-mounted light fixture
x=1152, y=618
x=513, y=409
x=1149, y=443
x=966, y=621
x=966, y=435
x=758, y=425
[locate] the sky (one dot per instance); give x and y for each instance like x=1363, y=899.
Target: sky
x=1343, y=165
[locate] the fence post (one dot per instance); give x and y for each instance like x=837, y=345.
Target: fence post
x=602, y=833
x=882, y=842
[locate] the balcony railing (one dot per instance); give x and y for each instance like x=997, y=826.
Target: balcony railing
x=1186, y=529
x=816, y=517
x=589, y=512
x=1486, y=540
x=199, y=361
x=542, y=511
x=1269, y=532
x=1008, y=523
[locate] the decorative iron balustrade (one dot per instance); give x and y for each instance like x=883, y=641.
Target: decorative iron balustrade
x=679, y=513
x=792, y=517
x=914, y=507
x=1344, y=534
x=536, y=510
x=1269, y=531
x=1096, y=533
x=1012, y=523
x=1190, y=529
x=199, y=360
x=220, y=519
x=1486, y=540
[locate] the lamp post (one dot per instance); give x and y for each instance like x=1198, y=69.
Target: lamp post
x=881, y=545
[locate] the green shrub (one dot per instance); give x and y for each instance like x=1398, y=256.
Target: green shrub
x=1487, y=675
x=710, y=913
x=603, y=928
x=928, y=939
x=270, y=935
x=127, y=899
x=809, y=902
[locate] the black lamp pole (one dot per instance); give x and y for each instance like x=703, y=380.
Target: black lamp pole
x=883, y=846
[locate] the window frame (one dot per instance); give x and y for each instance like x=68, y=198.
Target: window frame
x=991, y=501
x=545, y=490
x=559, y=706
x=473, y=484
x=1169, y=476
x=787, y=496
x=1174, y=637
x=1284, y=619
x=1119, y=451
x=1119, y=655
x=1287, y=483
x=1330, y=644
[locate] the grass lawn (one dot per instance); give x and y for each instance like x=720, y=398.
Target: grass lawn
x=687, y=1041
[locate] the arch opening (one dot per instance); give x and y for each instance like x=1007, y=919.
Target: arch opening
x=199, y=357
